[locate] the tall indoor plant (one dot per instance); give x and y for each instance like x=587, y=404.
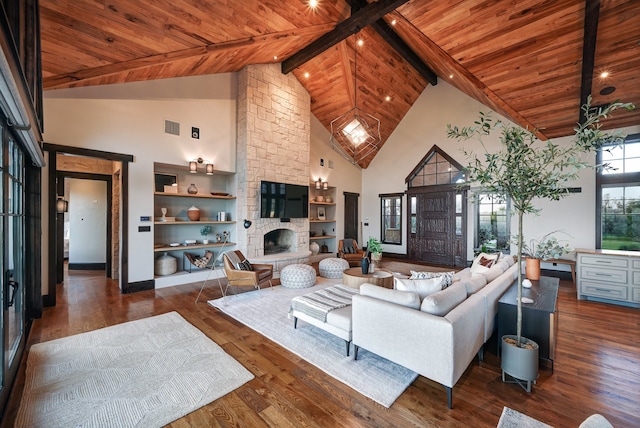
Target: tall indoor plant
x=526, y=168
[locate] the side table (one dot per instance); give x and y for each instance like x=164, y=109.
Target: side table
x=354, y=278
x=539, y=319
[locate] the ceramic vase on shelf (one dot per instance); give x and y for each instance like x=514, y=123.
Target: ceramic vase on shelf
x=192, y=190
x=193, y=213
x=315, y=248
x=165, y=265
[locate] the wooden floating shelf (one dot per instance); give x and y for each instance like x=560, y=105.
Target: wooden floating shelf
x=197, y=195
x=322, y=203
x=182, y=247
x=313, y=238
x=185, y=222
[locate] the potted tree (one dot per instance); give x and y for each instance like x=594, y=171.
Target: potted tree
x=526, y=168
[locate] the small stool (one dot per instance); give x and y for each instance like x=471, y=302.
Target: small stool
x=297, y=276
x=332, y=267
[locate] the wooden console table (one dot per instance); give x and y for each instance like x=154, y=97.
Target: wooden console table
x=539, y=319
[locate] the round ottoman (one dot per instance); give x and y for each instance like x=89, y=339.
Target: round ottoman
x=297, y=276
x=332, y=267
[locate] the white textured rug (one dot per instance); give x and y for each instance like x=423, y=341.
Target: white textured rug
x=267, y=313
x=143, y=373
x=513, y=419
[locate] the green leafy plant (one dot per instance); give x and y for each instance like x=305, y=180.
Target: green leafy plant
x=205, y=230
x=526, y=168
x=374, y=246
x=545, y=248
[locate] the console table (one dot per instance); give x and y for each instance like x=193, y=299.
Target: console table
x=539, y=319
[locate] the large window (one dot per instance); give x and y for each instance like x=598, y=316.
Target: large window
x=618, y=195
x=492, y=223
x=391, y=214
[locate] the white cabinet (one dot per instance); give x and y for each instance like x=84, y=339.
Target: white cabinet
x=609, y=276
x=175, y=234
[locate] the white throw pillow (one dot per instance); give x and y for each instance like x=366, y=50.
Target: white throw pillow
x=447, y=276
x=408, y=299
x=442, y=302
x=423, y=287
x=483, y=262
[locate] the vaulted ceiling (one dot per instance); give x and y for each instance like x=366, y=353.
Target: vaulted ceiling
x=524, y=59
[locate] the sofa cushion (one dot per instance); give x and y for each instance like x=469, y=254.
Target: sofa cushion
x=464, y=273
x=492, y=273
x=483, y=262
x=447, y=276
x=474, y=283
x=404, y=298
x=442, y=302
x=423, y=287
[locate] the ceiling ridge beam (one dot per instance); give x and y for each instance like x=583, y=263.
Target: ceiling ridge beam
x=357, y=21
x=66, y=79
x=591, y=18
x=396, y=42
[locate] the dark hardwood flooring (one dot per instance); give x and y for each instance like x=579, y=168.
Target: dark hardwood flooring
x=597, y=367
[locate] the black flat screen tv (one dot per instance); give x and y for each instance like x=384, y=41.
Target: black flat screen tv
x=284, y=201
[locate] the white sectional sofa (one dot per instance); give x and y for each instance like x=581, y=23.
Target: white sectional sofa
x=417, y=334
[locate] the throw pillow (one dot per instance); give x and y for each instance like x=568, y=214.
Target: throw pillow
x=348, y=248
x=423, y=287
x=443, y=302
x=483, y=262
x=404, y=298
x=245, y=265
x=474, y=283
x=447, y=276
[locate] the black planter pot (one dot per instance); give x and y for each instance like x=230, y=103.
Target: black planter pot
x=520, y=363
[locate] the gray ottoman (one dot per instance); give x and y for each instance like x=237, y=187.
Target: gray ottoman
x=297, y=276
x=332, y=267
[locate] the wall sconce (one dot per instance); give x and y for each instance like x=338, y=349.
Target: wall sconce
x=208, y=167
x=322, y=184
x=62, y=205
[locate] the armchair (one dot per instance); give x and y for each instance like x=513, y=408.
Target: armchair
x=348, y=249
x=236, y=268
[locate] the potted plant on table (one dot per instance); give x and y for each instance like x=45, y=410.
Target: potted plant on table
x=545, y=248
x=205, y=231
x=374, y=247
x=526, y=168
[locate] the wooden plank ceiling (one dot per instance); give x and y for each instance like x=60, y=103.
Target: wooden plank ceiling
x=522, y=59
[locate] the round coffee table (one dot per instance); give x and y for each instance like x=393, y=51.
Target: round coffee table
x=354, y=278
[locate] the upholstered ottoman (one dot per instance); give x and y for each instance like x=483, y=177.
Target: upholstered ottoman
x=332, y=267
x=297, y=276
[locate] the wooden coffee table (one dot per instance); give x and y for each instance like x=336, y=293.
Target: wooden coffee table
x=354, y=278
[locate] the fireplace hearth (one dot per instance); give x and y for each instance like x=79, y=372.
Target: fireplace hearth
x=278, y=241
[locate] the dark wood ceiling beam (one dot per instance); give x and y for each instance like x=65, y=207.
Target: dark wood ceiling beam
x=357, y=21
x=396, y=42
x=591, y=18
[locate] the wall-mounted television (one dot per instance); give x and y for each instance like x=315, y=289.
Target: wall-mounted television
x=284, y=201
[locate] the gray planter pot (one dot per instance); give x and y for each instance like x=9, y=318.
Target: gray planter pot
x=519, y=363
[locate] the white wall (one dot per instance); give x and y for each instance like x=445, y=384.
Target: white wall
x=98, y=118
x=87, y=221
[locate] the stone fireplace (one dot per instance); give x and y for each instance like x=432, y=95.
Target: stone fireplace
x=279, y=241
x=273, y=144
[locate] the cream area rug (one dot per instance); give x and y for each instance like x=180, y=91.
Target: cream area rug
x=143, y=373
x=266, y=312
x=513, y=419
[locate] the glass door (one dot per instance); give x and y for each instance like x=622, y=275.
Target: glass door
x=12, y=256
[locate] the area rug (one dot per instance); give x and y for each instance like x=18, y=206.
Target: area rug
x=143, y=373
x=266, y=312
x=513, y=419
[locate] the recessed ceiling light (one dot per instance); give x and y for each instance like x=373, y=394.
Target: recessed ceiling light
x=604, y=74
x=608, y=90
x=275, y=57
x=451, y=76
x=387, y=98
x=394, y=22
x=306, y=74
x=313, y=4
x=360, y=42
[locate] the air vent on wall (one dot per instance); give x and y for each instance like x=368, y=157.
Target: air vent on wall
x=171, y=127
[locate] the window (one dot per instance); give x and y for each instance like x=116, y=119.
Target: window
x=618, y=194
x=414, y=214
x=492, y=222
x=391, y=214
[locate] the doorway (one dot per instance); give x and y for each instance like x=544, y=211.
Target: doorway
x=351, y=215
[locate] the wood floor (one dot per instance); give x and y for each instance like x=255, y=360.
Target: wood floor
x=597, y=367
